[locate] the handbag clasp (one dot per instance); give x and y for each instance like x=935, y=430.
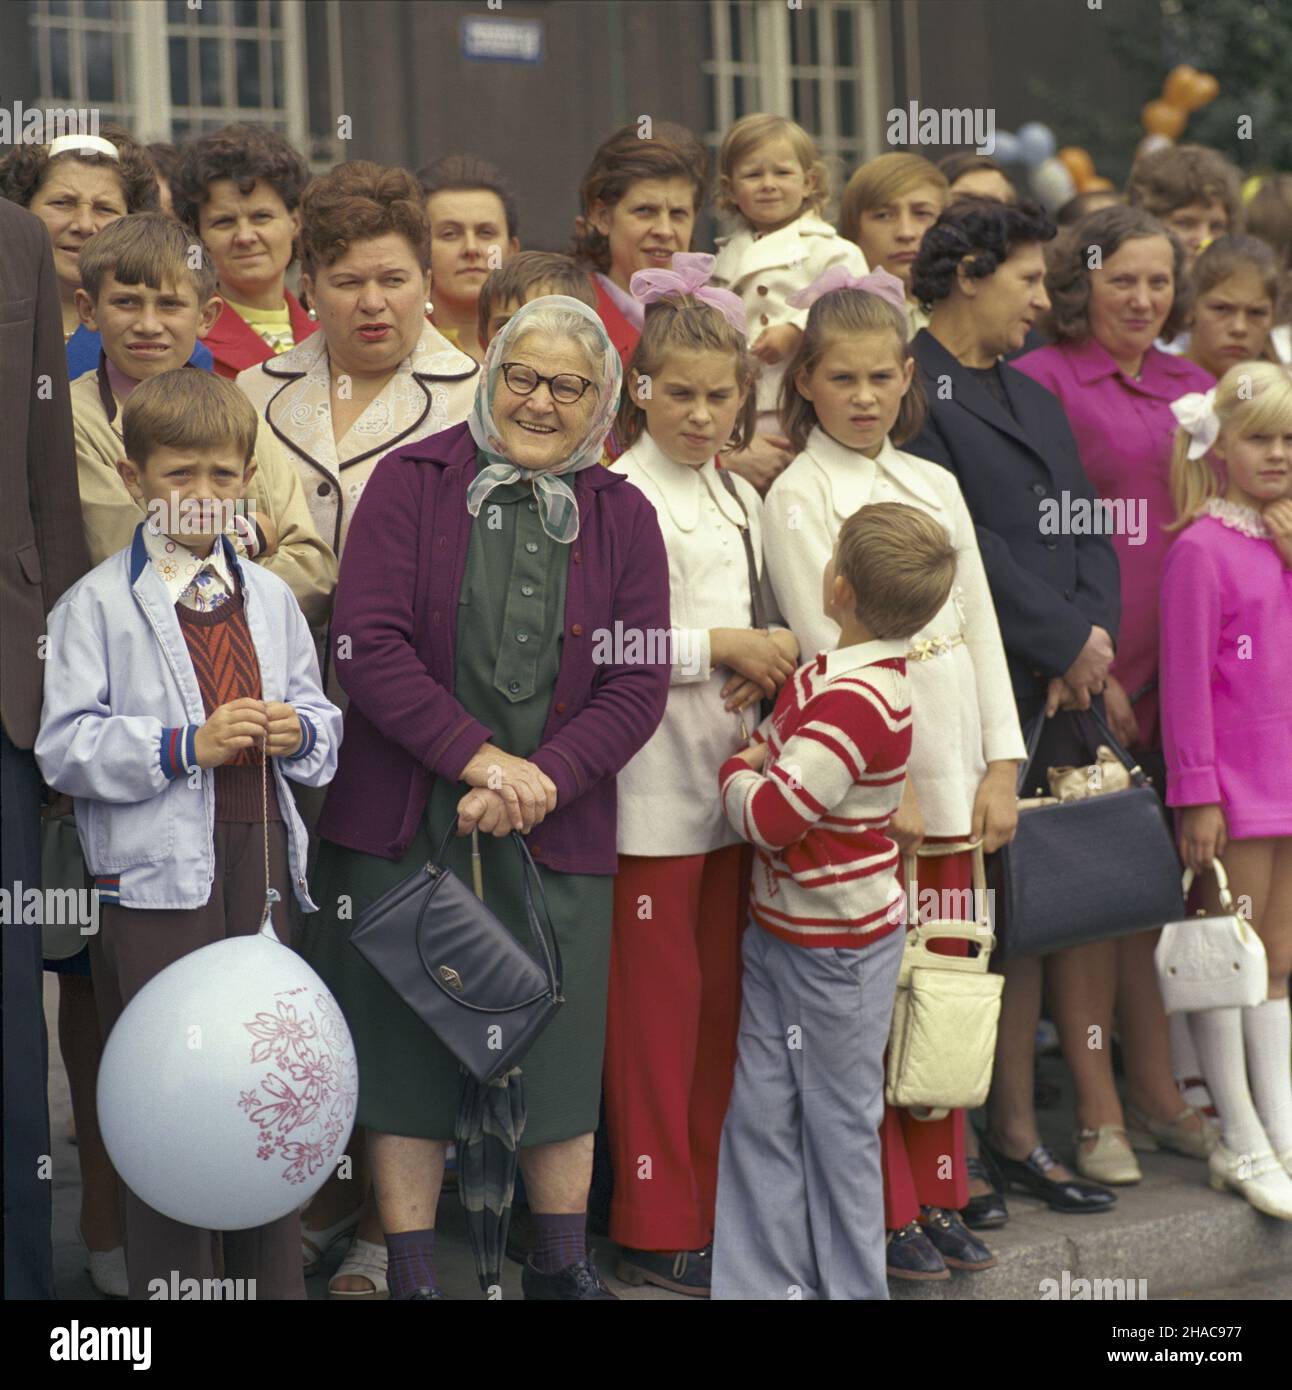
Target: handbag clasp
x=450, y=977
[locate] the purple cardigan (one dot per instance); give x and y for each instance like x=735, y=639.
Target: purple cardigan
x=396, y=616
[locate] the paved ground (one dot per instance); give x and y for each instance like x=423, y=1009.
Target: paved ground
x=1171, y=1230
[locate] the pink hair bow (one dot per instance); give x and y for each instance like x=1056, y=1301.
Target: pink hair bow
x=689, y=275
x=839, y=277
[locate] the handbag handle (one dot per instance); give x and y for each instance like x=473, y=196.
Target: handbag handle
x=755, y=589
x=982, y=922
x=1222, y=879
x=1133, y=769
x=551, y=954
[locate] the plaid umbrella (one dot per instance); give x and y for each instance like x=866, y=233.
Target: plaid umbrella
x=490, y=1122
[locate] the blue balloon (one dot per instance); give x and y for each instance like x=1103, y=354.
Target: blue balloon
x=1008, y=149
x=1036, y=143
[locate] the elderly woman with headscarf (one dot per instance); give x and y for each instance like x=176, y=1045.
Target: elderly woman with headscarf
x=505, y=606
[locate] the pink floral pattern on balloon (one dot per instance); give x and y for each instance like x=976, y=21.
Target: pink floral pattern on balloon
x=305, y=1104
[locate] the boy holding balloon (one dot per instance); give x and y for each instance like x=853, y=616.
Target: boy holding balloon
x=174, y=670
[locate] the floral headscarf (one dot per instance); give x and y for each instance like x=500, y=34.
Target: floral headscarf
x=557, y=508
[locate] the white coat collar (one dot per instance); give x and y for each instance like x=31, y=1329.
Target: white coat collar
x=850, y=475
x=300, y=410
x=778, y=248
x=432, y=355
x=683, y=488
x=844, y=659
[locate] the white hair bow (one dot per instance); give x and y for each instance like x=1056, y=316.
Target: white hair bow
x=1196, y=415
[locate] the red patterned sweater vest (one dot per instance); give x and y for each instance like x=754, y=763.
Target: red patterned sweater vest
x=224, y=661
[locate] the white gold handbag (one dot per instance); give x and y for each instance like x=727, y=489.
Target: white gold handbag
x=943, y=1038
x=1211, y=962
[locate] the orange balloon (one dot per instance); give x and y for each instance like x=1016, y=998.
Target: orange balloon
x=1205, y=89
x=1161, y=118
x=1096, y=183
x=1077, y=162
x=1178, y=87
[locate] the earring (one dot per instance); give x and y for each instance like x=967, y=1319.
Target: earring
x=313, y=315
x=430, y=308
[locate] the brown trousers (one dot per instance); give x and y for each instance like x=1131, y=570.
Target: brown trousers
x=133, y=945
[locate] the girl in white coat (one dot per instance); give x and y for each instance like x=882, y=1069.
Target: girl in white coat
x=849, y=386
x=674, y=1002
x=773, y=181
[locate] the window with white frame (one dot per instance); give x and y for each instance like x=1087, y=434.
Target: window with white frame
x=79, y=53
x=169, y=69
x=819, y=64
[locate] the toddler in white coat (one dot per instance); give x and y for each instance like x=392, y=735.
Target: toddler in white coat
x=773, y=181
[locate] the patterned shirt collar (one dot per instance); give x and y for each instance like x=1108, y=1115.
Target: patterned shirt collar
x=196, y=582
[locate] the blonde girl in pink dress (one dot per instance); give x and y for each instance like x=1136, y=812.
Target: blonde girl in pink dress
x=1226, y=663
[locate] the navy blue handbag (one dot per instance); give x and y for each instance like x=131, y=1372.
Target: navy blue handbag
x=1082, y=871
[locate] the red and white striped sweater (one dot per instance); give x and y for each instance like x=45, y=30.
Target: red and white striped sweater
x=838, y=741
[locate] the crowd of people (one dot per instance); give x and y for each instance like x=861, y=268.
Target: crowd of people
x=817, y=459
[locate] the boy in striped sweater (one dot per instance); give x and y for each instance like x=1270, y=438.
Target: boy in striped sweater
x=800, y=1191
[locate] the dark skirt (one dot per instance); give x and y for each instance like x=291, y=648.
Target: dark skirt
x=409, y=1083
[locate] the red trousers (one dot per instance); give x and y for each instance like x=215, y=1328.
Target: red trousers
x=924, y=1160
x=672, y=1020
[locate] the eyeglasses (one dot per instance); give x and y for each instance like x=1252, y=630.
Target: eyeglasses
x=566, y=387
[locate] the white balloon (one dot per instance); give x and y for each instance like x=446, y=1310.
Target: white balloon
x=1008, y=148
x=228, y=1087
x=1036, y=143
x=1052, y=183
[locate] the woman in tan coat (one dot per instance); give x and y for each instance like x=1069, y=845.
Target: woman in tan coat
x=379, y=374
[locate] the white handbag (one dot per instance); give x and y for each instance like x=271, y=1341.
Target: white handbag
x=1211, y=962
x=943, y=1038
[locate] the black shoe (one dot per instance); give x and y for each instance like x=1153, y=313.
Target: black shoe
x=578, y=1283
x=683, y=1271
x=1072, y=1195
x=987, y=1212
x=423, y=1296
x=912, y=1255
x=958, y=1248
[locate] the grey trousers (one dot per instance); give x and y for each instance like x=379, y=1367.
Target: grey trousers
x=800, y=1209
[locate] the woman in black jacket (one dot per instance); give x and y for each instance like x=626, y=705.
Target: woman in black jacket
x=1007, y=440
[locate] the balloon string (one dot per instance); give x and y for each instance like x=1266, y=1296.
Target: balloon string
x=264, y=808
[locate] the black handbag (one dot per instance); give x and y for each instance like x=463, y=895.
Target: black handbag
x=1082, y=871
x=459, y=969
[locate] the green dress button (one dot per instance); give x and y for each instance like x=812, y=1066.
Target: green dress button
x=527, y=590
x=532, y=547
x=522, y=637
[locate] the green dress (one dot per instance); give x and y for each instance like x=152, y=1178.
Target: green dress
x=511, y=615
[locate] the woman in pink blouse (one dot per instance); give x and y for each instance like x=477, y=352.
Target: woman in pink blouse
x=1116, y=282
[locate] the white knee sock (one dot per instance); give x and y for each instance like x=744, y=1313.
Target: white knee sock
x=1267, y=1031
x=1218, y=1036
x=1184, y=1056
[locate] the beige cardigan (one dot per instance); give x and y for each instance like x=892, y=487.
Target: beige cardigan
x=301, y=560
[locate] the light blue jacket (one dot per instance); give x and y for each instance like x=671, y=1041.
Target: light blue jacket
x=122, y=709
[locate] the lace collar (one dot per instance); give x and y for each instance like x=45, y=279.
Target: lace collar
x=1238, y=518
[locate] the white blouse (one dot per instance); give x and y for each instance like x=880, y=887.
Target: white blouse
x=668, y=793
x=962, y=702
